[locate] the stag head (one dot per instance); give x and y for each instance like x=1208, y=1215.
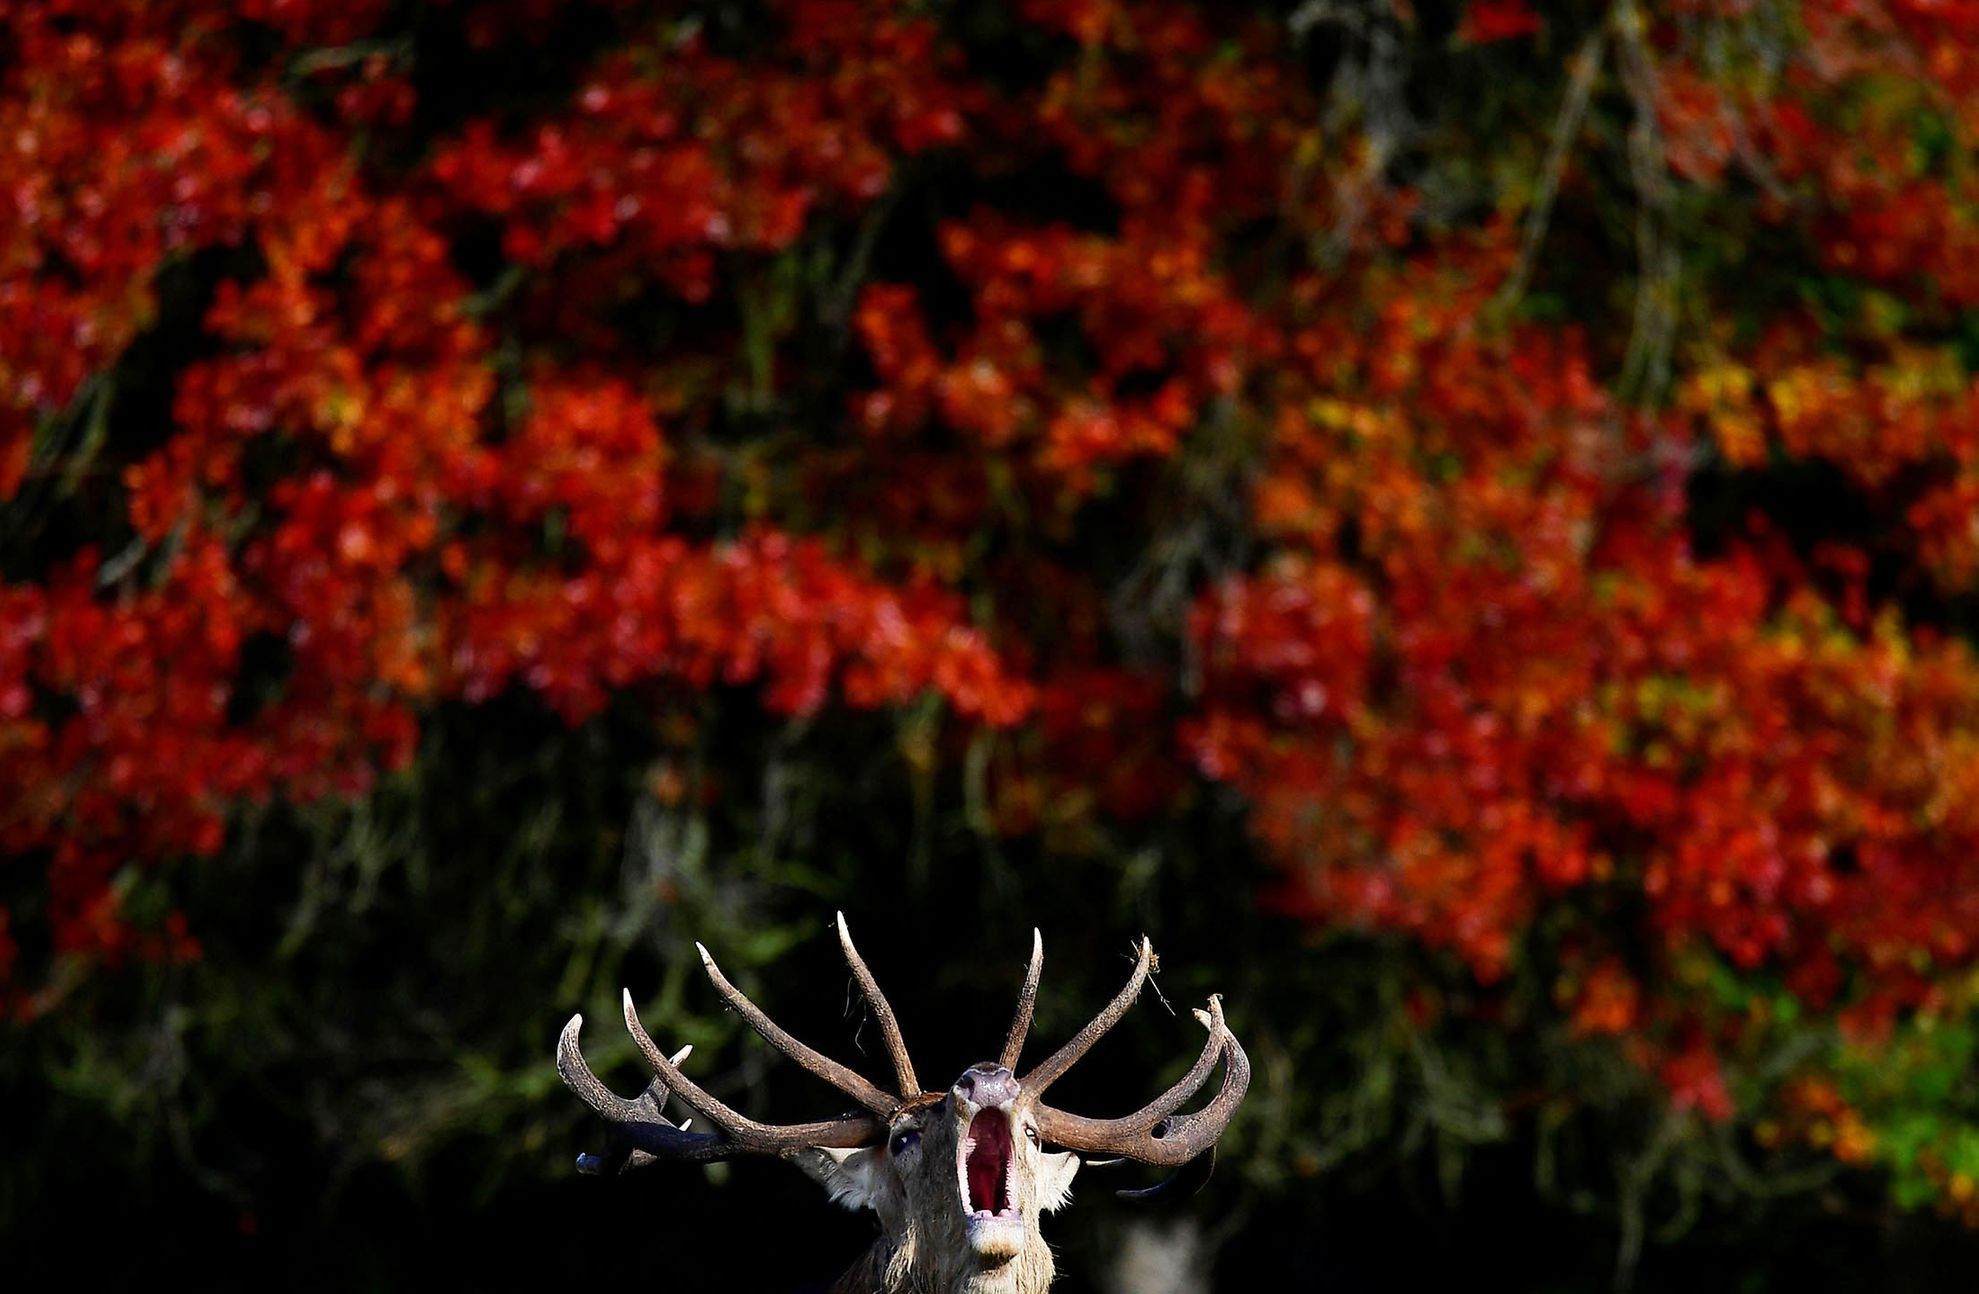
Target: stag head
x=958, y=1178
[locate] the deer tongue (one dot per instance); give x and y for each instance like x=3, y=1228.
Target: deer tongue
x=989, y=1162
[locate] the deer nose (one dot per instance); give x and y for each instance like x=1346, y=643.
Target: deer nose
x=988, y=1085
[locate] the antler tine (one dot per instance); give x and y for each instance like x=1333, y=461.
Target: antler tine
x=896, y=1046
x=739, y=1134
x=1027, y=1001
x=840, y=1077
x=1168, y=1102
x=1149, y=1134
x=577, y=1076
x=637, y=1129
x=1053, y=1068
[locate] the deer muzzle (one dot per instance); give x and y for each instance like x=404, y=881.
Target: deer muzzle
x=987, y=1162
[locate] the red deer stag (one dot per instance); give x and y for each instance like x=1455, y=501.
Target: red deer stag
x=958, y=1178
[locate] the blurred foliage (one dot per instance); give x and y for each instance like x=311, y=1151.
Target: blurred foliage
x=1458, y=519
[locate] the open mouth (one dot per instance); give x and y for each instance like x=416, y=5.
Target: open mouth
x=986, y=1166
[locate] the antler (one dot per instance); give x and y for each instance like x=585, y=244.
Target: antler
x=638, y=1128
x=1027, y=1001
x=1052, y=1069
x=896, y=1046
x=640, y=1133
x=845, y=1080
x=1150, y=1134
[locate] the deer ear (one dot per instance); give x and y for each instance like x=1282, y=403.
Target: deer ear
x=1055, y=1179
x=852, y=1177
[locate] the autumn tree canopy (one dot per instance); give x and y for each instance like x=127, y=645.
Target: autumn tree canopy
x=1488, y=492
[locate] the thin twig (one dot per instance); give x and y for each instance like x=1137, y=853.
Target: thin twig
x=1586, y=63
x=1652, y=335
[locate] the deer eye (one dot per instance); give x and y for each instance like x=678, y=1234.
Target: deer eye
x=903, y=1141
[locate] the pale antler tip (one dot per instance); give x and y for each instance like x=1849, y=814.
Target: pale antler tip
x=707, y=959
x=679, y=1056
x=567, y=1046
x=896, y=1046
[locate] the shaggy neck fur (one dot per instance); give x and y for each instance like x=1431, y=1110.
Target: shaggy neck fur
x=902, y=1268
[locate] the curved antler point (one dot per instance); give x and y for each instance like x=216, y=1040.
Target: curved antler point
x=896, y=1046
x=1020, y=1023
x=568, y=1050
